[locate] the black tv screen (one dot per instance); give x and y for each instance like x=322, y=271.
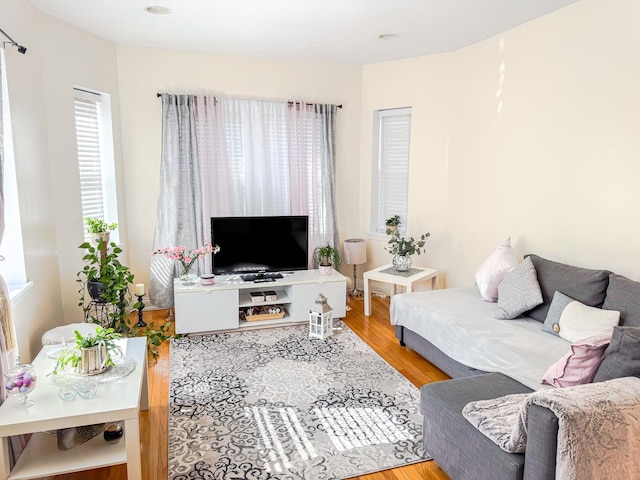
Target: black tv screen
x=260, y=244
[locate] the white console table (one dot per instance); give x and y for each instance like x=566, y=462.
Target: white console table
x=206, y=308
x=114, y=402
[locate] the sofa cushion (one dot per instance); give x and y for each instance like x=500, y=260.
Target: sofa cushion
x=575, y=321
x=582, y=284
x=445, y=429
x=494, y=269
x=579, y=365
x=623, y=295
x=518, y=292
x=622, y=356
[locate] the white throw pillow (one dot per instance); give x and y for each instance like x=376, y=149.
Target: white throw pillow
x=494, y=269
x=518, y=292
x=575, y=321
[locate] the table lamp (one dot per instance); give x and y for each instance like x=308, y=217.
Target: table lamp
x=355, y=253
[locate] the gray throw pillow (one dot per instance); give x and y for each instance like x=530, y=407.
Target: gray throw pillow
x=623, y=295
x=559, y=303
x=582, y=284
x=622, y=356
x=518, y=292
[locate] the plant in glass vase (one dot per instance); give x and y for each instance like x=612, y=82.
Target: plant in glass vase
x=187, y=258
x=402, y=248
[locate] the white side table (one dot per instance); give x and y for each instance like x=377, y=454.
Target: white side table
x=413, y=277
x=118, y=401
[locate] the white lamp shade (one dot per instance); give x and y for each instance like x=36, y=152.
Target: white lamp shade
x=355, y=251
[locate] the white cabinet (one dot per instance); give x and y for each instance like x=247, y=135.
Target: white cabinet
x=306, y=294
x=205, y=308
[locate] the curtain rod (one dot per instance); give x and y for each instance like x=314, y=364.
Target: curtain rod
x=290, y=102
x=22, y=49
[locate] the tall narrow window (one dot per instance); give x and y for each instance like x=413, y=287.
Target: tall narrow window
x=390, y=178
x=12, y=267
x=94, y=140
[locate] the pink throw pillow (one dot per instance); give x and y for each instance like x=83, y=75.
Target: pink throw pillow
x=580, y=364
x=494, y=269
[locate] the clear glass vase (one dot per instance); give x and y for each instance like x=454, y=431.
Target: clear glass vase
x=401, y=263
x=187, y=278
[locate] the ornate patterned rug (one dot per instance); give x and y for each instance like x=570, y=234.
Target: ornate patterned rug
x=274, y=404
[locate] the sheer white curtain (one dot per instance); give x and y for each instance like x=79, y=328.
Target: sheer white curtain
x=8, y=343
x=250, y=157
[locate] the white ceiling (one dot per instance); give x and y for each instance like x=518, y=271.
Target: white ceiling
x=334, y=30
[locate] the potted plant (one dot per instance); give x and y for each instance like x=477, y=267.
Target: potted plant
x=91, y=354
x=402, y=248
x=392, y=224
x=106, y=280
x=326, y=258
x=100, y=231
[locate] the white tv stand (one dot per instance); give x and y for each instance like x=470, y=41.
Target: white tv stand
x=206, y=308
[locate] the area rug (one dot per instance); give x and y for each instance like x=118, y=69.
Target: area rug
x=274, y=404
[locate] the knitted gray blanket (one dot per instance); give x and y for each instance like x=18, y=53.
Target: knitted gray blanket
x=599, y=426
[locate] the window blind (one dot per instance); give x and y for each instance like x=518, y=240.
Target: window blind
x=391, y=191
x=88, y=135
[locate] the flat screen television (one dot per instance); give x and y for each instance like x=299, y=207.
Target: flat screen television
x=260, y=244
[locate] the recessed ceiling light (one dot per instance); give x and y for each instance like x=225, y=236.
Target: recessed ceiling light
x=157, y=10
x=388, y=36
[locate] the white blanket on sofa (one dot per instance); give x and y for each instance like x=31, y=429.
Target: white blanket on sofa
x=462, y=326
x=598, y=426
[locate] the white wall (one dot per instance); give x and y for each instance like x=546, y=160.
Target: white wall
x=72, y=57
x=532, y=134
x=41, y=307
x=144, y=72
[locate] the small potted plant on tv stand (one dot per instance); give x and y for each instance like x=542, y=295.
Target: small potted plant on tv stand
x=326, y=258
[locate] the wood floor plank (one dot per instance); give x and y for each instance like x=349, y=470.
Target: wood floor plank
x=374, y=330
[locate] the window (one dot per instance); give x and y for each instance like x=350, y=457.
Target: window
x=12, y=267
x=94, y=139
x=390, y=178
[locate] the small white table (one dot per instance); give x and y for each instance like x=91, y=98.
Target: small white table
x=120, y=401
x=408, y=282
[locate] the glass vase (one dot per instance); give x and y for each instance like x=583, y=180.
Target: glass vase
x=187, y=278
x=401, y=263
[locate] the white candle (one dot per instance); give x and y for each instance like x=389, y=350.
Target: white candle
x=140, y=289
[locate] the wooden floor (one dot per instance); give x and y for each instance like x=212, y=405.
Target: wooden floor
x=375, y=330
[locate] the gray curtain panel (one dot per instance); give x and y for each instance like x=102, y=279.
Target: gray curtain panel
x=179, y=211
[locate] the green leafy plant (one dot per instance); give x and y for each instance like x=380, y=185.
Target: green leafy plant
x=72, y=355
x=105, y=267
x=326, y=255
x=98, y=225
x=392, y=221
x=406, y=246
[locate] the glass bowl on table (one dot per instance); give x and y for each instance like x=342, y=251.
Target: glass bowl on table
x=20, y=381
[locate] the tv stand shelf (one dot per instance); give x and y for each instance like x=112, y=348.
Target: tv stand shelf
x=245, y=299
x=207, y=308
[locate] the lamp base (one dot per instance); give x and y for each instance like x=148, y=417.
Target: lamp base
x=355, y=292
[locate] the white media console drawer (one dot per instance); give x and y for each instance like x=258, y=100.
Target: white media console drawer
x=206, y=308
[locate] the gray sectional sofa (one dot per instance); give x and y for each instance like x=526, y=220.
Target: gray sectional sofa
x=458, y=447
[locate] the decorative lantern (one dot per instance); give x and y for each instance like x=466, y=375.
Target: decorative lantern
x=320, y=319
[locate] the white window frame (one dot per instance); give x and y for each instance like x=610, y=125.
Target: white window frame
x=390, y=168
x=12, y=267
x=98, y=128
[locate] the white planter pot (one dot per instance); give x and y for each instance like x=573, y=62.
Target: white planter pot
x=325, y=269
x=93, y=360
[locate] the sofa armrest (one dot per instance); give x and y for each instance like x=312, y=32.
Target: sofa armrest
x=542, y=443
